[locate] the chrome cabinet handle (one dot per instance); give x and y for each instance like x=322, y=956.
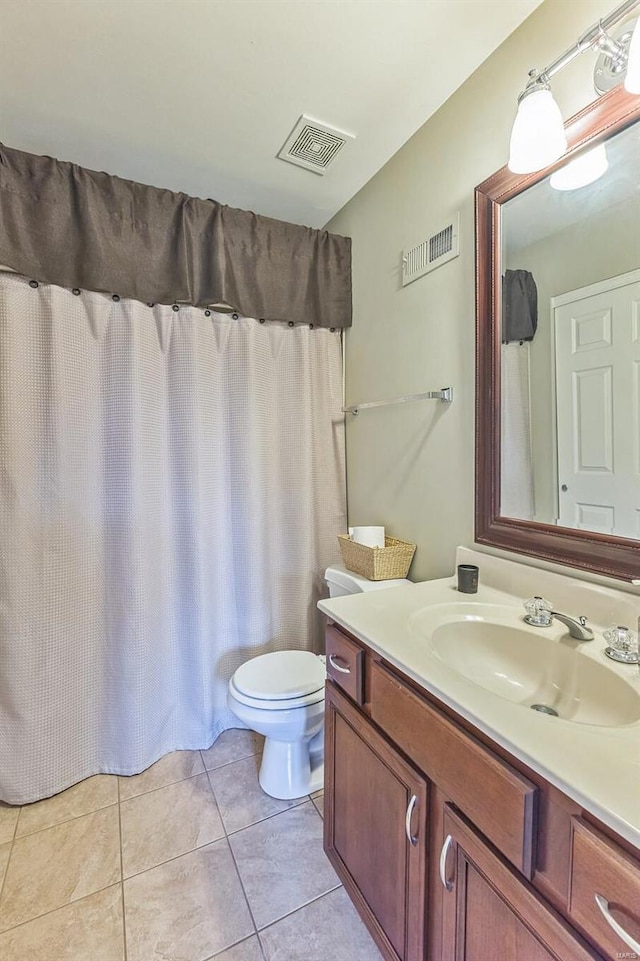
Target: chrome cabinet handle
x=447, y=884
x=411, y=838
x=333, y=661
x=603, y=904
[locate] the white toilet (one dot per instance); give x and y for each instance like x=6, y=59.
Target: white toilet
x=281, y=695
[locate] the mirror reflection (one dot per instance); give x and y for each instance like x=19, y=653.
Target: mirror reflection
x=570, y=356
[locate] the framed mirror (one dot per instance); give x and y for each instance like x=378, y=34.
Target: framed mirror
x=558, y=350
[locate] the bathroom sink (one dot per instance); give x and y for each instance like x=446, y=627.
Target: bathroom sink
x=551, y=673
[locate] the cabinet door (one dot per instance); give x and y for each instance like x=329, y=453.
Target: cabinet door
x=490, y=912
x=376, y=829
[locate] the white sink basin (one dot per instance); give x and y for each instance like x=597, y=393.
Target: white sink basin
x=490, y=646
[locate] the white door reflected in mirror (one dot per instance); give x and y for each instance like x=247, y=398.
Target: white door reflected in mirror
x=570, y=328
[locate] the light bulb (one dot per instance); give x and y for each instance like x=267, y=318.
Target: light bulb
x=581, y=171
x=632, y=78
x=538, y=138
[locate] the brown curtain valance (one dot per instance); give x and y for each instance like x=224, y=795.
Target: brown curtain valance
x=65, y=225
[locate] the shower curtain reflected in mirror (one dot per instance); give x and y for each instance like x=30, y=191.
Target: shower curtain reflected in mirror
x=171, y=487
x=516, y=465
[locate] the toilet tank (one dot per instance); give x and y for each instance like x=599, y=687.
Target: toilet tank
x=340, y=581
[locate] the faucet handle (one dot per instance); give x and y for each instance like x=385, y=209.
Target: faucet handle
x=538, y=612
x=623, y=644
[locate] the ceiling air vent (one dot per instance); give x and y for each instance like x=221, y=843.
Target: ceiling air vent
x=313, y=145
x=431, y=253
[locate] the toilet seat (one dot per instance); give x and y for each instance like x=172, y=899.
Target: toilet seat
x=280, y=676
x=280, y=681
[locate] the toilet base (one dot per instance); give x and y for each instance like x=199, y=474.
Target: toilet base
x=291, y=769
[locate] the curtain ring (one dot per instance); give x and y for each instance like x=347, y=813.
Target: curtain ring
x=115, y=297
x=332, y=330
x=310, y=326
x=235, y=316
x=290, y=323
x=207, y=313
x=33, y=283
x=150, y=305
x=261, y=321
x=76, y=291
x=175, y=307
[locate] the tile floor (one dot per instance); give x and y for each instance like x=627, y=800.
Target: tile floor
x=187, y=861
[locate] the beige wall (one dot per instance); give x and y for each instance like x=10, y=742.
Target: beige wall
x=410, y=467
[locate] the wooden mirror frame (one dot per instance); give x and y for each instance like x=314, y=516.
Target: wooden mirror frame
x=600, y=553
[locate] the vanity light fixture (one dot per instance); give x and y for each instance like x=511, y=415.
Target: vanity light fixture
x=537, y=137
x=585, y=169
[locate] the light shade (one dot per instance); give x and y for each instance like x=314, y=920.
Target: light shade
x=538, y=136
x=632, y=78
x=581, y=171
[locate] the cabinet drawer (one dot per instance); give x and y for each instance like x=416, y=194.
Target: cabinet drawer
x=602, y=873
x=345, y=663
x=499, y=800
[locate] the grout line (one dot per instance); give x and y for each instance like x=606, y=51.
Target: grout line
x=183, y=854
x=233, y=760
x=11, y=843
x=233, y=858
x=124, y=915
x=161, y=787
x=300, y=907
x=57, y=824
x=235, y=945
x=268, y=817
x=59, y=907
x=306, y=904
x=66, y=820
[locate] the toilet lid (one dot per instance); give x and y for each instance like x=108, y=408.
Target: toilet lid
x=280, y=675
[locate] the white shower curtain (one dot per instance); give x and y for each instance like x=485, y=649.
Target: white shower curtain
x=171, y=487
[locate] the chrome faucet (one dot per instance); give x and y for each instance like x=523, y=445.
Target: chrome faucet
x=540, y=614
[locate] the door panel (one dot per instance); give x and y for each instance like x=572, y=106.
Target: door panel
x=489, y=912
x=597, y=347
x=375, y=834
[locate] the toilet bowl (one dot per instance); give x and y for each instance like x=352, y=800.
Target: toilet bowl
x=281, y=695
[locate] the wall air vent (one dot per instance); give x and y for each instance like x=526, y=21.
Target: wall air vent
x=313, y=145
x=432, y=252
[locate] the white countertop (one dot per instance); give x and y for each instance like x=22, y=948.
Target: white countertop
x=597, y=766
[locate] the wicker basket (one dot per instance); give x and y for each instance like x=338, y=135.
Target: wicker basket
x=377, y=563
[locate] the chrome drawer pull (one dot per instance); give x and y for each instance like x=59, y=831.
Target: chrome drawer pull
x=411, y=838
x=603, y=904
x=447, y=885
x=333, y=661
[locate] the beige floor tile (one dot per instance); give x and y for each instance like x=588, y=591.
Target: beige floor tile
x=248, y=950
x=282, y=864
x=327, y=928
x=60, y=864
x=188, y=909
x=171, y=768
x=87, y=930
x=83, y=798
x=318, y=800
x=8, y=819
x=240, y=798
x=168, y=822
x=232, y=746
x=4, y=860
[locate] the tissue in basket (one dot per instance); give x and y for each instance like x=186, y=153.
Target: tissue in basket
x=377, y=563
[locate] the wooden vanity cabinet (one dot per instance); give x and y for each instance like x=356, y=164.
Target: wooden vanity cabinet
x=452, y=850
x=488, y=912
x=376, y=829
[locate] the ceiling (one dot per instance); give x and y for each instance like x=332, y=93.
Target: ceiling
x=199, y=95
